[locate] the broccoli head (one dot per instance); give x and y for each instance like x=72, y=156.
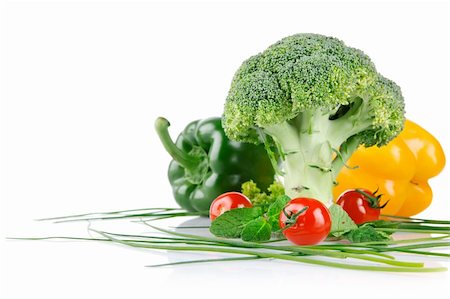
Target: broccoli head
x=314, y=100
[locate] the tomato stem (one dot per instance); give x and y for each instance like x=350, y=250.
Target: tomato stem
x=373, y=200
x=292, y=218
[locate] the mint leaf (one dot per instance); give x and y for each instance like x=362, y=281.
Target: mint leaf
x=273, y=213
x=367, y=233
x=341, y=223
x=257, y=230
x=231, y=223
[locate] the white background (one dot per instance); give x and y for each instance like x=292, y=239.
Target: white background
x=81, y=84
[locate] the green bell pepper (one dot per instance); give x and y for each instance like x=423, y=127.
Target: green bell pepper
x=206, y=163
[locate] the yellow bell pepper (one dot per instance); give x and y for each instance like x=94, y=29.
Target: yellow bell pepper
x=400, y=170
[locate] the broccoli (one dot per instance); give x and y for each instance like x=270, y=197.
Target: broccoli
x=312, y=101
x=262, y=199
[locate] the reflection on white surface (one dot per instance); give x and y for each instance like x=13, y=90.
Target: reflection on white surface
x=189, y=226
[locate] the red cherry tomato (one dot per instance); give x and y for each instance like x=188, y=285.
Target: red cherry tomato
x=228, y=201
x=307, y=227
x=360, y=204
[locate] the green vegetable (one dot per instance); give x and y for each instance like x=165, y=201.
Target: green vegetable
x=308, y=97
x=343, y=226
x=262, y=199
x=250, y=224
x=257, y=230
x=231, y=223
x=367, y=233
x=341, y=223
x=206, y=163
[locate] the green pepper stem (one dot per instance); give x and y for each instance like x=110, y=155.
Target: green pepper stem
x=186, y=160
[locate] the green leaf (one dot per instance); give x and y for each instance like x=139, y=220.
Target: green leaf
x=341, y=223
x=273, y=213
x=231, y=223
x=367, y=233
x=257, y=230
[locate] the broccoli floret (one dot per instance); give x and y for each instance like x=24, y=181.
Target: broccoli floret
x=315, y=100
x=262, y=199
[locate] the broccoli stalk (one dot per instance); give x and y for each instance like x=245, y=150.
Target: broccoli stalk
x=315, y=100
x=309, y=142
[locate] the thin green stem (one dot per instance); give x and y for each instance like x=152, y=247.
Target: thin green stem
x=426, y=245
x=404, y=241
x=243, y=244
x=417, y=219
x=419, y=252
x=423, y=231
x=228, y=259
x=276, y=256
x=157, y=216
x=420, y=225
x=190, y=242
x=299, y=249
x=369, y=252
x=108, y=213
